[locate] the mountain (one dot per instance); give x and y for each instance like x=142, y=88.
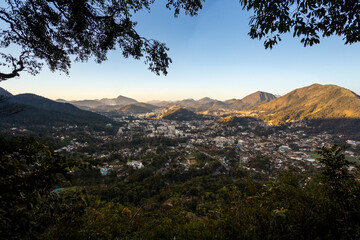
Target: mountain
x=235, y=104
x=37, y=110
x=93, y=104
x=137, y=108
x=4, y=93
x=207, y=105
x=120, y=100
x=256, y=99
x=206, y=100
x=86, y=103
x=159, y=103
x=189, y=103
x=312, y=102
x=250, y=101
x=236, y=120
x=180, y=114
x=60, y=100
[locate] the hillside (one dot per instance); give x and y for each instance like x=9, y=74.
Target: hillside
x=235, y=120
x=92, y=104
x=250, y=101
x=37, y=110
x=85, y=103
x=120, y=100
x=180, y=114
x=206, y=100
x=312, y=102
x=256, y=99
x=136, y=108
x=4, y=93
x=235, y=104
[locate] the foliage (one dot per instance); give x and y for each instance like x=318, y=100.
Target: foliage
x=54, y=31
x=306, y=19
x=29, y=172
x=177, y=204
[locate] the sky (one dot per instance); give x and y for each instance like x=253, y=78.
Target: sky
x=213, y=56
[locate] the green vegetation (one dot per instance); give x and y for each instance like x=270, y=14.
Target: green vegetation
x=180, y=114
x=179, y=203
x=37, y=110
x=313, y=102
x=306, y=19
x=29, y=172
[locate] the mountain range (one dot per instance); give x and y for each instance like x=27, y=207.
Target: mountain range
x=125, y=105
x=327, y=105
x=88, y=104
x=32, y=109
x=207, y=105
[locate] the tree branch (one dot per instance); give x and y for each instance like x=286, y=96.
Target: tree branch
x=14, y=73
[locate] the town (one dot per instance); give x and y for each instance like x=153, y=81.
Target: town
x=249, y=144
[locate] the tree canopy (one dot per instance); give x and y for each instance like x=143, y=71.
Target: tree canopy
x=51, y=32
x=307, y=19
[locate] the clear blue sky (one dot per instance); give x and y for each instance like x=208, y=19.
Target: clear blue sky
x=212, y=56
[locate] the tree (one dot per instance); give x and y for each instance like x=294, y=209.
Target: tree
x=335, y=171
x=52, y=31
x=29, y=171
x=307, y=19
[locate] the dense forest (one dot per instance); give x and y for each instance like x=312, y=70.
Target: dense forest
x=45, y=195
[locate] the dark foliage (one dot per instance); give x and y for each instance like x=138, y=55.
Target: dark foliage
x=310, y=20
x=29, y=171
x=53, y=31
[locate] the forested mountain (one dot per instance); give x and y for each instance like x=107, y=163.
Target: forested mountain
x=136, y=108
x=86, y=103
x=4, y=93
x=38, y=110
x=180, y=114
x=312, y=102
x=120, y=100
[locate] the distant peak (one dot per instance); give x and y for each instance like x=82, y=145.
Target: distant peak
x=206, y=100
x=315, y=85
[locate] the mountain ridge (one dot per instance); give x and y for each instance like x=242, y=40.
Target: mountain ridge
x=4, y=93
x=37, y=110
x=312, y=102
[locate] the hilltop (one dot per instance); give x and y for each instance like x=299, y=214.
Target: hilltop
x=180, y=114
x=312, y=102
x=256, y=99
x=250, y=101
